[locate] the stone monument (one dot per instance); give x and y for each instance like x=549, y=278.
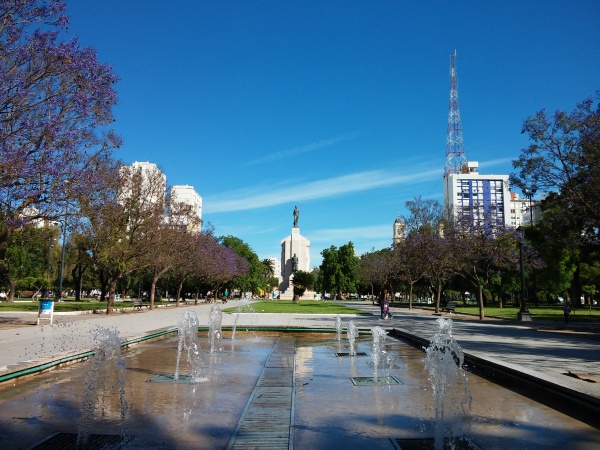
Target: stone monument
x=295, y=255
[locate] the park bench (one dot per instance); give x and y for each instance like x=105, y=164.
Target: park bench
x=449, y=308
x=137, y=304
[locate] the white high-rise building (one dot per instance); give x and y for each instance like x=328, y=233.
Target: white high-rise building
x=480, y=200
x=154, y=182
x=276, y=264
x=187, y=195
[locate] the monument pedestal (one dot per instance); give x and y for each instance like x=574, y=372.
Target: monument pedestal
x=293, y=245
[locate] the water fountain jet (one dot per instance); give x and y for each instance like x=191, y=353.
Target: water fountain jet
x=351, y=335
x=105, y=377
x=451, y=393
x=215, y=318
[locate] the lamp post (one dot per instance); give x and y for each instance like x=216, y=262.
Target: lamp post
x=529, y=193
x=524, y=314
x=62, y=253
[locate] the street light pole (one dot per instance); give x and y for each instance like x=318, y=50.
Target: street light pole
x=529, y=193
x=62, y=253
x=524, y=314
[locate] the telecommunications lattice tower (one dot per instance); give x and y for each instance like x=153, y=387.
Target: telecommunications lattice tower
x=456, y=161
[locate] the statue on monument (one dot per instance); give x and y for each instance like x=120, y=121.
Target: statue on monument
x=296, y=216
x=294, y=263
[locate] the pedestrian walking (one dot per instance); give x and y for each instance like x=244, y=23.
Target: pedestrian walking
x=566, y=311
x=383, y=298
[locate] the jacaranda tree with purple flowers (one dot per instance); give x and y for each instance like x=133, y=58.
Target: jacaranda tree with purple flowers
x=56, y=103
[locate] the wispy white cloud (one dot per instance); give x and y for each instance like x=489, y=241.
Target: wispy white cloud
x=302, y=149
x=349, y=234
x=496, y=162
x=250, y=199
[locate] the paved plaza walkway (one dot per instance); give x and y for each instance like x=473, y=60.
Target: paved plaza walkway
x=549, y=353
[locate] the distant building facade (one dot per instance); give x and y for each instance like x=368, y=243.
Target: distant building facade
x=479, y=200
x=523, y=211
x=399, y=231
x=187, y=195
x=276, y=264
x=154, y=182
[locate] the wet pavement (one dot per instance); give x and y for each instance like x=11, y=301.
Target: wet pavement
x=328, y=409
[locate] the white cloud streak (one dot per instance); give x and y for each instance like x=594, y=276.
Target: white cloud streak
x=302, y=149
x=349, y=234
x=250, y=199
x=496, y=162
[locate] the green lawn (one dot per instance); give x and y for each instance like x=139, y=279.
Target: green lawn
x=302, y=307
x=541, y=313
x=66, y=306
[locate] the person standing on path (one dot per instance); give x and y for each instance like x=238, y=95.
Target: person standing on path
x=385, y=290
x=566, y=311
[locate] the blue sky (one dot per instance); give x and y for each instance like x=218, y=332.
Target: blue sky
x=339, y=107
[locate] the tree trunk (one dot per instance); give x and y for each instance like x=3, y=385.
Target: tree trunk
x=153, y=290
x=112, y=289
x=11, y=290
x=410, y=295
x=480, y=295
x=178, y=295
x=77, y=274
x=437, y=296
x=103, y=285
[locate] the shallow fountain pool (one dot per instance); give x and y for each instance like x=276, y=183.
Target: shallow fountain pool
x=262, y=385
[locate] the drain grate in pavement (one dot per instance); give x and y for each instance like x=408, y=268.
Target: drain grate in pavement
x=170, y=378
x=348, y=354
x=458, y=443
x=61, y=441
x=383, y=365
x=217, y=353
x=372, y=381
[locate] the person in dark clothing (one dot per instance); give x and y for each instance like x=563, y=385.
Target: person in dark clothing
x=566, y=311
x=383, y=295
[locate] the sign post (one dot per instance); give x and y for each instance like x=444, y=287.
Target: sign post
x=45, y=310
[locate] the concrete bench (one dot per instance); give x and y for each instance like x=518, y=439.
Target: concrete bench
x=449, y=308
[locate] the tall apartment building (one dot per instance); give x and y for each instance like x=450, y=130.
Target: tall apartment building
x=276, y=263
x=480, y=200
x=154, y=182
x=187, y=195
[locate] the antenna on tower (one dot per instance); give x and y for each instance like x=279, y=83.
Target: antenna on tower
x=456, y=160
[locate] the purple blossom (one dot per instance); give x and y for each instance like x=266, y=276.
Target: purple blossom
x=56, y=103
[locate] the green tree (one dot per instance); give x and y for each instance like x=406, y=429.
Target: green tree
x=338, y=271
x=123, y=224
x=373, y=268
x=303, y=281
x=564, y=158
x=425, y=216
x=482, y=252
x=254, y=280
x=563, y=161
x=26, y=254
x=408, y=264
